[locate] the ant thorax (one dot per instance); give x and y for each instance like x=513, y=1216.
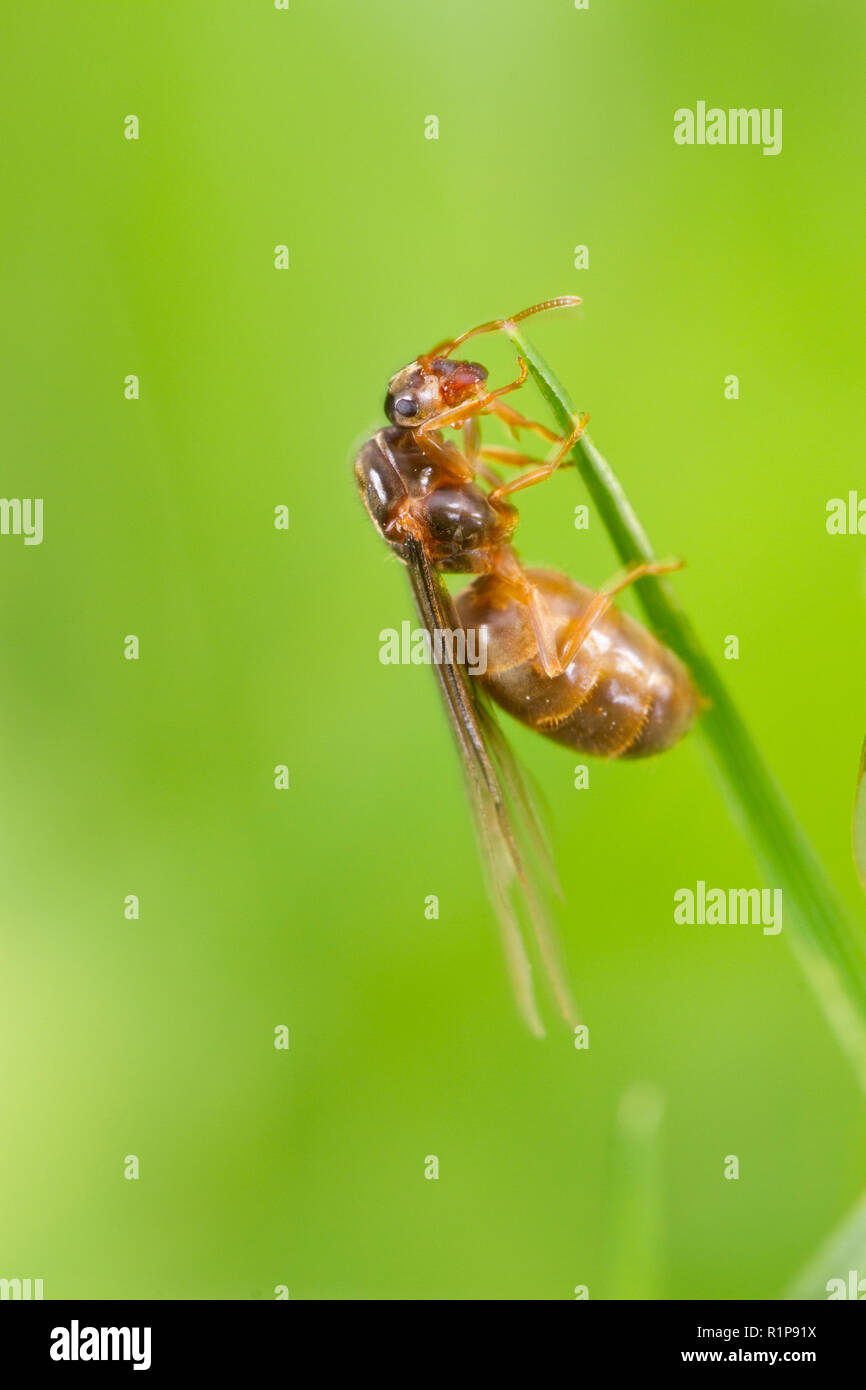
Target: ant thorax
x=407, y=493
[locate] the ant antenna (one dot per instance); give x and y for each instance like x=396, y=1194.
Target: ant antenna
x=445, y=348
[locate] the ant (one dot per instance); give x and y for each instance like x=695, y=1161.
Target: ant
x=560, y=658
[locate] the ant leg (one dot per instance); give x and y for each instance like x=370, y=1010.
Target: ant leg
x=501, y=454
x=507, y=567
x=446, y=454
x=459, y=414
x=404, y=523
x=577, y=632
x=538, y=475
x=473, y=452
x=513, y=458
x=472, y=441
x=482, y=471
x=514, y=421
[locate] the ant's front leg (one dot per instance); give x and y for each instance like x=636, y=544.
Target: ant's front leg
x=467, y=410
x=446, y=455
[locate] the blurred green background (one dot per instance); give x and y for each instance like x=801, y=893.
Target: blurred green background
x=306, y=908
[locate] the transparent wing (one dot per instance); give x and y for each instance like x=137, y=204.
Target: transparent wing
x=495, y=787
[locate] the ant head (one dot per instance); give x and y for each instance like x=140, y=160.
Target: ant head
x=430, y=386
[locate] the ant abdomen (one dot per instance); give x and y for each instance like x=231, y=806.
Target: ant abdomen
x=623, y=695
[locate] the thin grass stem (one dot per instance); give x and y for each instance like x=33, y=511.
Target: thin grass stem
x=827, y=949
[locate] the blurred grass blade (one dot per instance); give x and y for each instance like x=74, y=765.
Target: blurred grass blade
x=842, y=1253
x=824, y=944
x=859, y=823
x=634, y=1252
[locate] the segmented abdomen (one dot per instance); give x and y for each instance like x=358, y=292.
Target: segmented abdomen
x=624, y=694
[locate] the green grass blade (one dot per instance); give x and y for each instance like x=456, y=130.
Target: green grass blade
x=859, y=823
x=828, y=951
x=843, y=1252
x=635, y=1237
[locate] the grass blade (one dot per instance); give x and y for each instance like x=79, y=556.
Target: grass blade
x=842, y=1254
x=636, y=1222
x=826, y=948
x=859, y=823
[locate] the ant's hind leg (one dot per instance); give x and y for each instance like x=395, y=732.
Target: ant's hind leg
x=640, y=571
x=509, y=569
x=577, y=632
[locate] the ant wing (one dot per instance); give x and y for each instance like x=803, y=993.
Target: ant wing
x=494, y=784
x=525, y=800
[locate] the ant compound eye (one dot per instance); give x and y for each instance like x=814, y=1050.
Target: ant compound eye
x=406, y=407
